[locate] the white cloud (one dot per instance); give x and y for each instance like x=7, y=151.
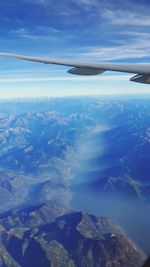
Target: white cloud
x=122, y=17
x=132, y=45
x=86, y=2
x=40, y=2
x=64, y=78
x=24, y=33
x=41, y=34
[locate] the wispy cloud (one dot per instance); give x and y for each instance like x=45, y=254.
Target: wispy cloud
x=40, y=2
x=129, y=45
x=41, y=34
x=122, y=17
x=60, y=78
x=23, y=33
x=132, y=51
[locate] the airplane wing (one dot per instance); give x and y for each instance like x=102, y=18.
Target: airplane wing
x=142, y=70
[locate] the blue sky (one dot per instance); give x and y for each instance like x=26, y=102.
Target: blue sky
x=91, y=30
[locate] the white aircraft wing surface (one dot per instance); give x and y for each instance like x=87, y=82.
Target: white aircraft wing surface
x=142, y=70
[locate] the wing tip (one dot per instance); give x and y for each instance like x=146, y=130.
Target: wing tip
x=3, y=54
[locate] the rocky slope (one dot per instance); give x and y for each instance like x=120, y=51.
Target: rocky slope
x=32, y=216
x=71, y=240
